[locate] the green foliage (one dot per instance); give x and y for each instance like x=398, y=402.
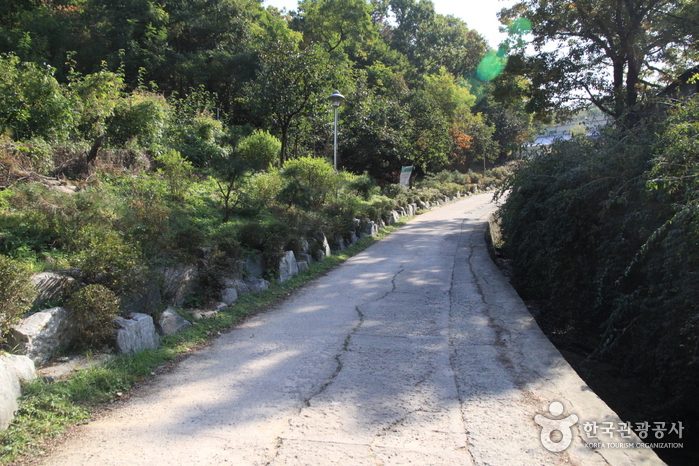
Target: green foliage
x=260, y=150
x=92, y=310
x=364, y=185
x=606, y=232
x=177, y=172
x=34, y=104
x=105, y=258
x=141, y=119
x=308, y=182
x=16, y=293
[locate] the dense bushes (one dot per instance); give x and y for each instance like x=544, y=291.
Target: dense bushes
x=92, y=311
x=606, y=232
x=16, y=293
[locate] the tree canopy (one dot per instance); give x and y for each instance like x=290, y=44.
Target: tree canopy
x=611, y=53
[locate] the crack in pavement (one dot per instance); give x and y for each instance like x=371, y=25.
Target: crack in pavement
x=338, y=360
x=453, y=364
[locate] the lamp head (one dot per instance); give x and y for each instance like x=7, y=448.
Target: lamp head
x=336, y=98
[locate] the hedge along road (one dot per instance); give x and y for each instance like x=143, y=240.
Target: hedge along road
x=416, y=351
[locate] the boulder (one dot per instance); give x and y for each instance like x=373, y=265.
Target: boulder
x=51, y=287
x=254, y=265
x=136, y=333
x=304, y=245
x=302, y=265
x=394, y=217
x=13, y=370
x=170, y=322
x=287, y=266
x=319, y=256
x=178, y=282
x=412, y=209
x=240, y=286
x=43, y=334
x=229, y=295
x=339, y=244
x=307, y=258
x=371, y=229
x=323, y=242
x=352, y=238
x=256, y=285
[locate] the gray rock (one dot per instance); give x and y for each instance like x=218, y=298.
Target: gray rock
x=307, y=258
x=170, y=322
x=394, y=217
x=352, y=239
x=371, y=229
x=51, y=287
x=339, y=244
x=220, y=307
x=319, y=256
x=304, y=245
x=323, y=241
x=302, y=265
x=240, y=287
x=13, y=370
x=229, y=295
x=357, y=226
x=136, y=333
x=178, y=282
x=9, y=392
x=24, y=367
x=287, y=267
x=254, y=265
x=43, y=334
x=256, y=285
x=412, y=209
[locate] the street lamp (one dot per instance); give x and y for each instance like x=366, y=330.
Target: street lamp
x=335, y=99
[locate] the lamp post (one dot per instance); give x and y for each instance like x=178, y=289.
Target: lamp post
x=335, y=99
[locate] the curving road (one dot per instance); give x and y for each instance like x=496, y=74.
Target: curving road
x=416, y=351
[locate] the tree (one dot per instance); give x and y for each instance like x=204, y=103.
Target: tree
x=335, y=24
x=603, y=50
x=290, y=83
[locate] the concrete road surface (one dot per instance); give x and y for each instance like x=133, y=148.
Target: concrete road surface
x=416, y=351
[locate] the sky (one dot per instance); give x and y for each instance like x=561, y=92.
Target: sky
x=478, y=14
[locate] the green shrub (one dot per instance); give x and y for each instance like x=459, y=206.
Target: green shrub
x=16, y=293
x=92, y=310
x=143, y=118
x=106, y=259
x=309, y=182
x=364, y=185
x=261, y=190
x=260, y=150
x=177, y=171
x=394, y=191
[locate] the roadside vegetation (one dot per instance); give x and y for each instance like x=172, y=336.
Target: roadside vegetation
x=140, y=135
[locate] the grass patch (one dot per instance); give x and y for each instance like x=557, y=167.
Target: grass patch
x=48, y=409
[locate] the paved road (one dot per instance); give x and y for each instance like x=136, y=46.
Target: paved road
x=416, y=351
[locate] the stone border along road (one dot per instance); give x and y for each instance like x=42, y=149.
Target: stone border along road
x=416, y=351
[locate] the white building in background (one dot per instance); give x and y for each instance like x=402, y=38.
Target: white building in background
x=590, y=125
